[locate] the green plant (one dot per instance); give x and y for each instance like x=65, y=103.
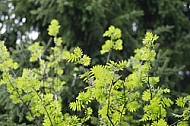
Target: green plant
x=117, y=96
x=133, y=99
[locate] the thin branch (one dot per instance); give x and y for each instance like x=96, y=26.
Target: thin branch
x=151, y=97
x=74, y=80
x=43, y=77
x=149, y=88
x=108, y=57
x=173, y=124
x=44, y=107
x=124, y=95
x=109, y=105
x=22, y=100
x=48, y=44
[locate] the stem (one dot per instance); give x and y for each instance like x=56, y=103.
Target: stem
x=109, y=105
x=121, y=114
x=74, y=80
x=150, y=94
x=176, y=122
x=149, y=88
x=44, y=107
x=108, y=57
x=48, y=44
x=44, y=78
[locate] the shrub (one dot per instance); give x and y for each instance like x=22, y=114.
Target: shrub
x=133, y=99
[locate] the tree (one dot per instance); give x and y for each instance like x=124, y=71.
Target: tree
x=84, y=22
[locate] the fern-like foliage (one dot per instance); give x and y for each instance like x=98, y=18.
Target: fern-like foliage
x=115, y=42
x=77, y=57
x=116, y=96
x=53, y=29
x=35, y=89
x=121, y=97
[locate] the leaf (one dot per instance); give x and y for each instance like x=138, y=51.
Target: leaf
x=183, y=123
x=153, y=80
x=160, y=122
x=168, y=102
x=36, y=51
x=132, y=106
x=118, y=45
x=115, y=42
x=73, y=106
x=58, y=41
x=53, y=28
x=78, y=52
x=107, y=46
x=146, y=95
x=76, y=106
x=85, y=60
x=180, y=102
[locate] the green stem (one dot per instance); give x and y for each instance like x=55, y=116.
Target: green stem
x=109, y=94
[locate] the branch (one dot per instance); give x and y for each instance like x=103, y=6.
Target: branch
x=124, y=95
x=48, y=44
x=149, y=87
x=108, y=57
x=109, y=105
x=173, y=124
x=151, y=97
x=74, y=80
x=22, y=101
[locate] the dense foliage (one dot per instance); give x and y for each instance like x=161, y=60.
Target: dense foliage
x=135, y=99
x=82, y=26
x=84, y=22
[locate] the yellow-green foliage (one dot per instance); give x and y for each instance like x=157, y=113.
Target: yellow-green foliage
x=77, y=57
x=115, y=42
x=53, y=29
x=119, y=96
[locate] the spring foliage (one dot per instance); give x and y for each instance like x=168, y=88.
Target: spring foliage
x=119, y=96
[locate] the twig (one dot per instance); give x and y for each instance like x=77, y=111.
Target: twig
x=48, y=44
x=124, y=103
x=108, y=57
x=74, y=80
x=109, y=105
x=44, y=107
x=149, y=88
x=177, y=122
x=150, y=93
